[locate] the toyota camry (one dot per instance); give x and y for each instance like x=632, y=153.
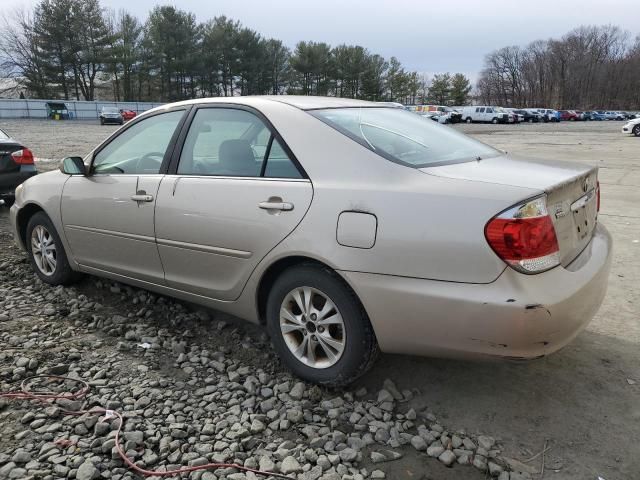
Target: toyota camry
x=344, y=226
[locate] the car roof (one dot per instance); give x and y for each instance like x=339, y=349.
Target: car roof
x=299, y=101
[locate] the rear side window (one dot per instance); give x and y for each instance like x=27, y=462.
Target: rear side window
x=404, y=137
x=233, y=143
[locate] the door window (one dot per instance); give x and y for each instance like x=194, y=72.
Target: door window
x=140, y=148
x=233, y=143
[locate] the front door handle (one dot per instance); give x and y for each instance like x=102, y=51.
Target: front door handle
x=142, y=197
x=284, y=206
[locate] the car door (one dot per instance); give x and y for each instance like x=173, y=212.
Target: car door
x=108, y=215
x=236, y=191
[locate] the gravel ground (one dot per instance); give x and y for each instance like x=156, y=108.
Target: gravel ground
x=197, y=386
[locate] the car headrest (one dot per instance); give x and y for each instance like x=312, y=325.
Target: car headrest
x=236, y=158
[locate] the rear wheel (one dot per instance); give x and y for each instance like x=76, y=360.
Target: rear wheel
x=318, y=327
x=102, y=121
x=46, y=252
x=468, y=120
x=494, y=120
x=636, y=130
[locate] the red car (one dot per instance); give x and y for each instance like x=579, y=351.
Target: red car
x=128, y=114
x=569, y=115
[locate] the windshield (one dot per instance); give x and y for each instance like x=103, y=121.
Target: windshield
x=404, y=137
x=110, y=110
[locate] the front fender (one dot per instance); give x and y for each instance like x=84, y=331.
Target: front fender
x=40, y=193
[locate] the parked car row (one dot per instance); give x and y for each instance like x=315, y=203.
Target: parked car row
x=497, y=114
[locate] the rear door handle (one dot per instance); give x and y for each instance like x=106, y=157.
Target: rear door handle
x=284, y=206
x=142, y=198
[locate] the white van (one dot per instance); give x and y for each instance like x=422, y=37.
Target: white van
x=485, y=113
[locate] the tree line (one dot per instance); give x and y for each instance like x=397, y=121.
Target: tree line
x=589, y=68
x=68, y=48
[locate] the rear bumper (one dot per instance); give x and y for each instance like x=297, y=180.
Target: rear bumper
x=9, y=181
x=517, y=316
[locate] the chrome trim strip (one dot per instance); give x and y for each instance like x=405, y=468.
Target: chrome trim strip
x=221, y=177
x=227, y=252
x=583, y=200
x=131, y=236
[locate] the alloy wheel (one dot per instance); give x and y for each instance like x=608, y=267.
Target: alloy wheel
x=43, y=249
x=312, y=327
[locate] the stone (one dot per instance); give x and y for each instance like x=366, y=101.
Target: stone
x=290, y=465
x=378, y=475
x=297, y=392
x=390, y=387
x=257, y=426
x=435, y=449
x=486, y=442
x=384, y=396
x=348, y=455
x=419, y=443
x=494, y=469
x=480, y=463
x=21, y=456
x=447, y=457
x=87, y=471
x=266, y=464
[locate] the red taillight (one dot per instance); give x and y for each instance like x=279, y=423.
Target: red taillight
x=524, y=237
x=598, y=196
x=23, y=157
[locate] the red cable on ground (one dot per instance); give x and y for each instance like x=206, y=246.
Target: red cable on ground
x=44, y=396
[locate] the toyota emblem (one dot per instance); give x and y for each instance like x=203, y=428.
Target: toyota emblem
x=585, y=185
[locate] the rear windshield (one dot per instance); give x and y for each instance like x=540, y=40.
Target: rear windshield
x=110, y=110
x=404, y=137
x=3, y=136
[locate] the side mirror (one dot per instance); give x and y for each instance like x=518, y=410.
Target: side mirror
x=73, y=166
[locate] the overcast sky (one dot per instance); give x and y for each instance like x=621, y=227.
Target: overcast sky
x=426, y=35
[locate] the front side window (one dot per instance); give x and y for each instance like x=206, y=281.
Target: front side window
x=140, y=149
x=233, y=143
x=403, y=137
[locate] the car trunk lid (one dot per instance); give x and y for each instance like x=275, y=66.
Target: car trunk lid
x=571, y=191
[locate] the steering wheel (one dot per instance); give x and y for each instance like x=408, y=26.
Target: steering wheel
x=151, y=162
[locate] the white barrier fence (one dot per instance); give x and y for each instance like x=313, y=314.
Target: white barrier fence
x=27, y=108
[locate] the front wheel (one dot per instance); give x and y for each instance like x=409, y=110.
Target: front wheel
x=469, y=120
x=46, y=253
x=636, y=130
x=319, y=328
x=494, y=120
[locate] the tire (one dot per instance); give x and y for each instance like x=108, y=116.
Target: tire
x=636, y=130
x=468, y=120
x=359, y=348
x=102, y=121
x=494, y=120
x=58, y=274
x=531, y=120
